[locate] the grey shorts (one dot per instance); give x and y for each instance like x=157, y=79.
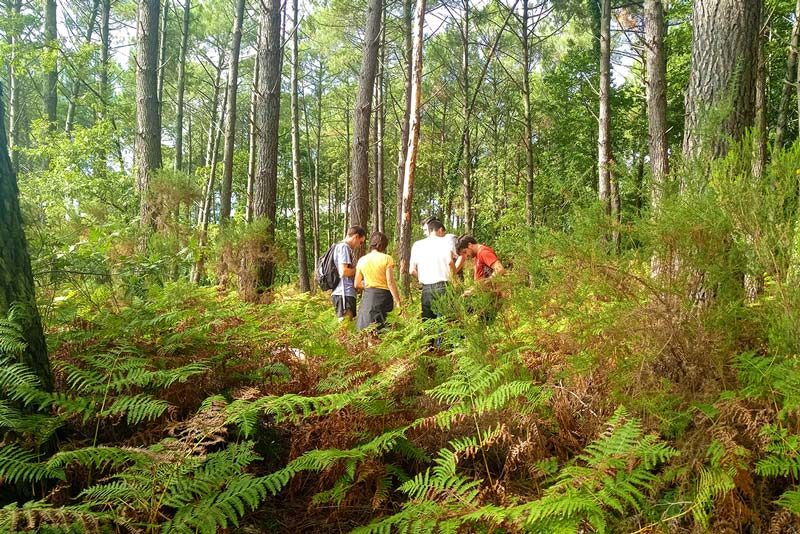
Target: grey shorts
x=343, y=304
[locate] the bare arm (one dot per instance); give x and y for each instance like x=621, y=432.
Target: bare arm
x=345, y=269
x=359, y=281
x=392, y=284
x=460, y=261
x=497, y=268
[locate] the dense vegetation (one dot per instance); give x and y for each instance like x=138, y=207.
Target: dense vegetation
x=642, y=372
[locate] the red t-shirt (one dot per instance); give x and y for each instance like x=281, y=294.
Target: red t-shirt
x=484, y=260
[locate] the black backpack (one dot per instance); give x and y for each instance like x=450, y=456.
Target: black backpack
x=327, y=273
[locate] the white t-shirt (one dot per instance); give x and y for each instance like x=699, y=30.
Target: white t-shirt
x=431, y=257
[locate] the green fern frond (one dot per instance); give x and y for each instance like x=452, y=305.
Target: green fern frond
x=138, y=408
x=791, y=501
x=713, y=482
x=20, y=465
x=100, y=457
x=783, y=453
x=12, y=337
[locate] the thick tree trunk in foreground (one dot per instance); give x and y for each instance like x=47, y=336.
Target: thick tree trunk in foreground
x=148, y=121
x=16, y=277
x=300, y=231
x=266, y=176
x=413, y=143
x=724, y=52
x=230, y=122
x=604, y=117
x=656, y=90
x=181, y=87
x=13, y=98
x=359, y=196
x=789, y=80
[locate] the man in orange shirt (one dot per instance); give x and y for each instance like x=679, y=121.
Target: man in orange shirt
x=486, y=262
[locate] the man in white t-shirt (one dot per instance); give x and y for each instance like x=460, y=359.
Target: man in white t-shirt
x=433, y=263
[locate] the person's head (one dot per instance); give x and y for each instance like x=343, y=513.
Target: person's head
x=356, y=236
x=435, y=227
x=424, y=224
x=378, y=241
x=467, y=246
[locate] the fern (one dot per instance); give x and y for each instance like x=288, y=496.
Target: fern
x=137, y=408
x=783, y=453
x=42, y=517
x=791, y=500
x=20, y=465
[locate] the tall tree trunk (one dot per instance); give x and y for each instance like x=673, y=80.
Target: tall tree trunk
x=760, y=157
x=253, y=131
x=51, y=64
x=526, y=94
x=467, y=112
x=408, y=34
x=148, y=120
x=317, y=156
x=656, y=91
x=212, y=121
x=380, y=122
x=413, y=143
x=76, y=86
x=230, y=123
x=181, y=89
x=300, y=230
x=16, y=277
x=346, y=218
x=359, y=196
x=724, y=51
x=266, y=178
x=604, y=117
x=789, y=80
x=616, y=208
x=15, y=7
x=162, y=56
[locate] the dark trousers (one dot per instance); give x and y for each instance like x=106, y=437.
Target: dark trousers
x=430, y=294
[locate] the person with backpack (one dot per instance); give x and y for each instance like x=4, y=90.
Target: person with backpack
x=375, y=275
x=336, y=270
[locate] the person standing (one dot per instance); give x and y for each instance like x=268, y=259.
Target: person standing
x=344, y=295
x=432, y=261
x=375, y=275
x=487, y=264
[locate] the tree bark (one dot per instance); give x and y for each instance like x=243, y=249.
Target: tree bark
x=467, y=112
x=413, y=143
x=408, y=34
x=162, y=56
x=346, y=215
x=76, y=86
x=266, y=177
x=253, y=132
x=300, y=230
x=212, y=121
x=359, y=196
x=526, y=102
x=317, y=156
x=724, y=50
x=656, y=91
x=16, y=277
x=230, y=122
x=15, y=7
x=789, y=80
x=51, y=64
x=604, y=117
x=181, y=89
x=148, y=120
x=760, y=157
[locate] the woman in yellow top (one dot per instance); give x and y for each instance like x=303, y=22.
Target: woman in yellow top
x=375, y=275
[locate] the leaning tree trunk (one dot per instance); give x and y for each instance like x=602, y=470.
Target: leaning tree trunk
x=359, y=194
x=266, y=178
x=604, y=117
x=147, y=157
x=724, y=52
x=16, y=276
x=300, y=231
x=413, y=143
x=51, y=72
x=181, y=89
x=656, y=90
x=230, y=123
x=408, y=33
x=789, y=80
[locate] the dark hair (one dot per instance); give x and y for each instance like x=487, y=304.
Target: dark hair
x=356, y=230
x=434, y=225
x=465, y=241
x=378, y=241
